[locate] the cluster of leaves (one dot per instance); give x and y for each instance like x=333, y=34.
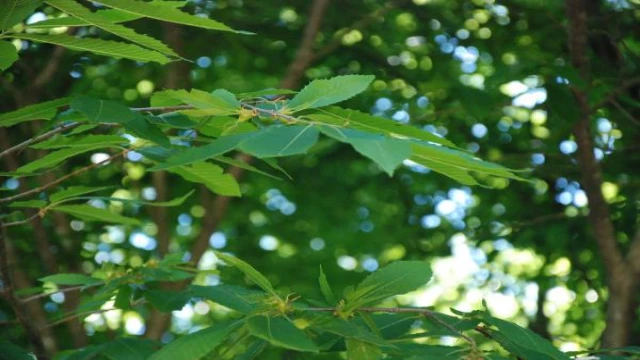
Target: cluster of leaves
x=207, y=126
x=264, y=317
x=137, y=46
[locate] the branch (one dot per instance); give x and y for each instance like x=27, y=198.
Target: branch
x=62, y=179
x=621, y=285
x=48, y=134
x=304, y=55
x=633, y=256
x=8, y=286
x=617, y=92
x=63, y=290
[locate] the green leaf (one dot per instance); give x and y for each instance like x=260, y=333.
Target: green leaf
x=164, y=274
x=244, y=165
x=28, y=204
x=397, y=278
x=70, y=279
x=215, y=148
x=346, y=329
x=266, y=92
x=128, y=348
x=90, y=213
x=102, y=111
x=325, y=288
x=144, y=129
x=461, y=162
x=78, y=141
x=164, y=13
x=219, y=102
x=253, y=274
x=281, y=140
x=211, y=176
x=56, y=157
x=360, y=121
x=387, y=152
x=460, y=175
x=522, y=342
x=167, y=301
x=236, y=298
x=78, y=11
x=9, y=351
x=8, y=55
x=360, y=350
x=280, y=332
x=42, y=111
x=112, y=15
x=109, y=48
x=14, y=11
x=436, y=327
x=198, y=344
x=319, y=93
x=106, y=111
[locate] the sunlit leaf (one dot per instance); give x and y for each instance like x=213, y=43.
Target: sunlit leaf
x=42, y=111
x=396, y=278
x=249, y=271
x=323, y=92
x=385, y=151
x=347, y=118
x=95, y=19
x=165, y=14
x=325, y=288
x=281, y=140
x=70, y=279
x=237, y=298
x=360, y=350
x=211, y=176
x=109, y=48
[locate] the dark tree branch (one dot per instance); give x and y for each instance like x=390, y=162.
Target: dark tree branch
x=621, y=283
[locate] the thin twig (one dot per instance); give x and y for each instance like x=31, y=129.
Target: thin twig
x=624, y=112
x=431, y=315
x=61, y=179
x=48, y=134
x=617, y=92
x=163, y=108
x=75, y=316
x=63, y=290
x=20, y=222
